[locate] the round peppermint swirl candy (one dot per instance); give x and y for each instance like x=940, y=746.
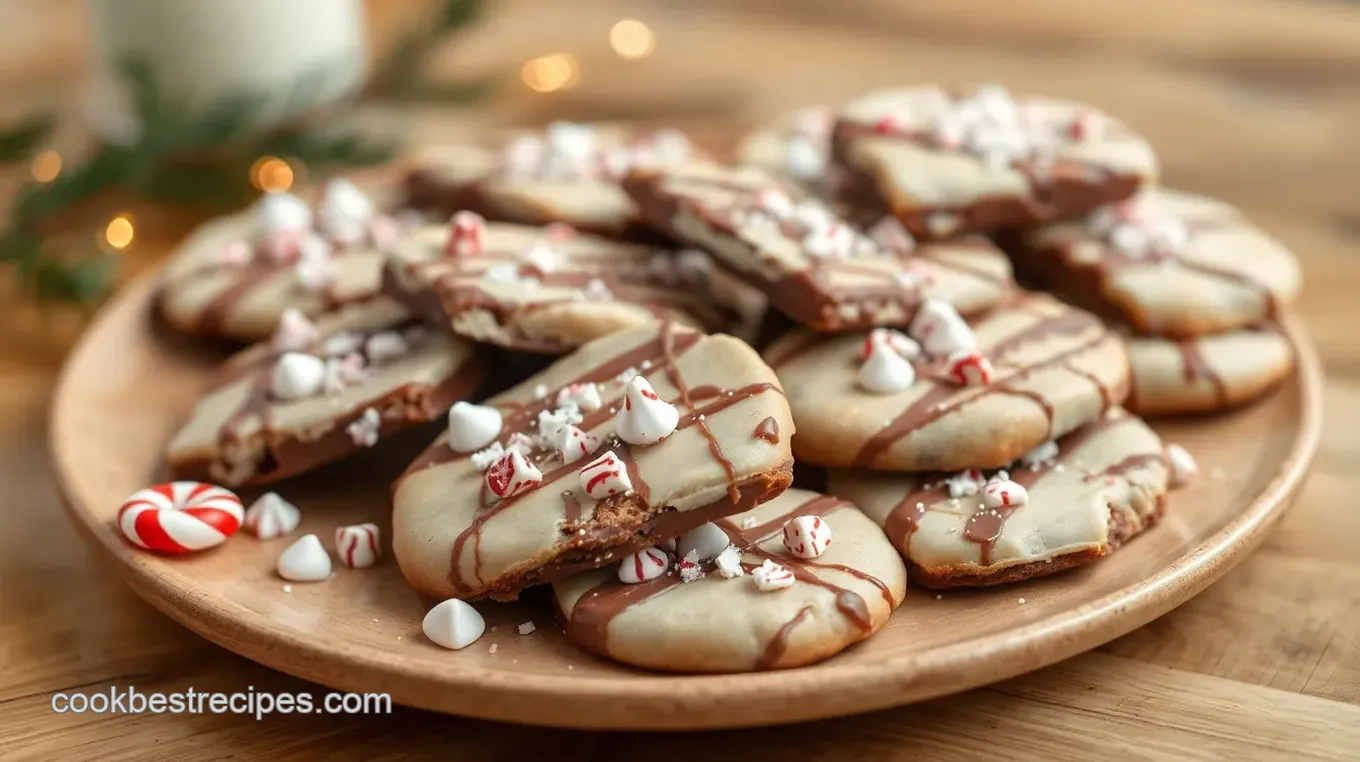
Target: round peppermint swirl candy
x=180, y=517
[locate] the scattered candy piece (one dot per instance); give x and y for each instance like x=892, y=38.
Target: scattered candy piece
x=314, y=273
x=644, y=418
x=648, y=563
x=965, y=483
x=180, y=517
x=453, y=624
x=344, y=371
x=585, y=396
x=512, y=474
x=365, y=429
x=553, y=425
x=892, y=235
x=1041, y=456
x=465, y=234
x=543, y=258
x=235, y=254
x=521, y=442
x=357, y=545
x=482, y=459
x=344, y=211
x=729, y=562
x=807, y=537
x=885, y=371
x=903, y=344
x=526, y=628
x=271, y=516
x=472, y=427
x=282, y=211
x=774, y=201
x=385, y=346
x=1184, y=469
x=297, y=376
x=940, y=330
x=970, y=369
x=305, y=561
x=605, y=476
x=294, y=333
x=1004, y=493
x=690, y=570
x=771, y=576
x=578, y=444
x=705, y=541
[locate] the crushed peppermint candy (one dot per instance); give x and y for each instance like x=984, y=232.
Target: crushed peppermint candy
x=363, y=431
x=690, y=570
x=482, y=459
x=728, y=562
x=966, y=483
x=749, y=522
x=1041, y=456
x=553, y=425
x=770, y=576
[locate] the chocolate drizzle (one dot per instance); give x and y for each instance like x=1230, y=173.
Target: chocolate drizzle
x=1197, y=368
x=767, y=430
x=774, y=650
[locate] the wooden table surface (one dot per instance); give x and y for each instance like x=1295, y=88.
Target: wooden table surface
x=1255, y=101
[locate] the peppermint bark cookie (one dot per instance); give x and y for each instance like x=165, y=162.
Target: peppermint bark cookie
x=947, y=162
x=550, y=290
x=1066, y=504
x=318, y=392
x=948, y=396
x=634, y=438
x=795, y=148
x=1207, y=373
x=1165, y=262
x=726, y=610
x=815, y=267
x=565, y=173
x=234, y=276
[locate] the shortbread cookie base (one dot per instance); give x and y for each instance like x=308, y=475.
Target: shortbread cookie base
x=1206, y=374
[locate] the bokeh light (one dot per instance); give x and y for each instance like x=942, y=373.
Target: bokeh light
x=632, y=39
x=120, y=232
x=45, y=166
x=547, y=74
x=270, y=173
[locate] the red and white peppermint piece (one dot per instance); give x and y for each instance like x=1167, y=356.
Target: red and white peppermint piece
x=297, y=376
x=577, y=444
x=180, y=517
x=885, y=371
x=344, y=372
x=902, y=343
x=1041, y=456
x=605, y=476
x=357, y=545
x=472, y=427
x=892, y=235
x=965, y=483
x=887, y=125
x=644, y=418
x=940, y=329
x=807, y=537
x=1004, y=493
x=1086, y=126
x=646, y=564
x=314, y=272
x=585, y=396
x=1184, y=469
x=770, y=576
x=294, y=333
x=512, y=474
x=271, y=516
x=365, y=430
x=689, y=568
x=466, y=231
x=970, y=369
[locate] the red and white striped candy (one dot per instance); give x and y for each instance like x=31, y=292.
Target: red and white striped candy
x=887, y=125
x=1086, y=126
x=807, y=536
x=770, y=576
x=1004, y=493
x=605, y=476
x=180, y=517
x=466, y=230
x=648, y=563
x=970, y=369
x=578, y=444
x=512, y=474
x=357, y=545
x=902, y=343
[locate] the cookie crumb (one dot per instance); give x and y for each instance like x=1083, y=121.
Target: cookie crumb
x=1022, y=601
x=939, y=597
x=494, y=628
x=526, y=628
x=493, y=648
x=288, y=589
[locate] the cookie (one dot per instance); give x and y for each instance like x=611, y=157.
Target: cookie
x=816, y=268
x=318, y=392
x=234, y=276
x=1208, y=373
x=549, y=290
x=1030, y=371
x=717, y=623
x=1065, y=505
x=565, y=173
x=472, y=523
x=945, y=162
x=1167, y=263
x=796, y=148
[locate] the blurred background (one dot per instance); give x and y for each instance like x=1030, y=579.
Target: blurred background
x=125, y=122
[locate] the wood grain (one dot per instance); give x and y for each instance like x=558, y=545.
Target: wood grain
x=1251, y=100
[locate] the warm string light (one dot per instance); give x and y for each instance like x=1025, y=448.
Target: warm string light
x=45, y=166
x=547, y=74
x=270, y=173
x=632, y=39
x=119, y=232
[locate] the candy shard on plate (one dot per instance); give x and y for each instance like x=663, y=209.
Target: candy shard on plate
x=644, y=418
x=271, y=516
x=472, y=427
x=645, y=564
x=306, y=560
x=451, y=537
x=453, y=624
x=358, y=546
x=1184, y=468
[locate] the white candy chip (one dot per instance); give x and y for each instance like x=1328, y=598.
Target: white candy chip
x=472, y=427
x=385, y=346
x=281, y=211
x=553, y=425
x=706, y=541
x=900, y=342
x=271, y=516
x=305, y=561
x=940, y=330
x=512, y=474
x=728, y=563
x=294, y=333
x=585, y=396
x=1184, y=469
x=578, y=444
x=644, y=418
x=885, y=371
x=965, y=483
x=365, y=429
x=453, y=624
x=1005, y=493
x=807, y=537
x=297, y=376
x=646, y=564
x=605, y=476
x=344, y=212
x=770, y=576
x=357, y=545
x=1041, y=456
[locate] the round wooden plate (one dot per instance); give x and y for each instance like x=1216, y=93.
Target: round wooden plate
x=127, y=386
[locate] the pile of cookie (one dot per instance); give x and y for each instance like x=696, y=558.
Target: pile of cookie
x=843, y=295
